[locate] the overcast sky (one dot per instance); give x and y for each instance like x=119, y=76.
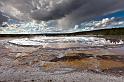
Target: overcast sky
x=2, y=18
x=71, y=11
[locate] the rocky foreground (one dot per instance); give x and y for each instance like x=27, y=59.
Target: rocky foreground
x=33, y=60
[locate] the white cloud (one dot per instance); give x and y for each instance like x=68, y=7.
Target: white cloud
x=67, y=13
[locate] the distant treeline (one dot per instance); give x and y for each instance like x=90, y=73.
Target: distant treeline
x=114, y=31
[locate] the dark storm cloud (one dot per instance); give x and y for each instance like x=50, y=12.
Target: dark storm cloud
x=58, y=10
x=2, y=18
x=91, y=9
x=71, y=11
x=40, y=9
x=78, y=9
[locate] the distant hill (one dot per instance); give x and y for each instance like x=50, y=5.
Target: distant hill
x=3, y=18
x=113, y=31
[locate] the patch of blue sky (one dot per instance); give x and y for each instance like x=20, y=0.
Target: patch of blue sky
x=119, y=14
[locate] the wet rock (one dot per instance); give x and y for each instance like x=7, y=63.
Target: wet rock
x=4, y=51
x=115, y=71
x=21, y=55
x=45, y=55
x=77, y=56
x=4, y=61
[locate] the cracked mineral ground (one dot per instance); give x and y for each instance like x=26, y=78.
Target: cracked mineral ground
x=62, y=59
